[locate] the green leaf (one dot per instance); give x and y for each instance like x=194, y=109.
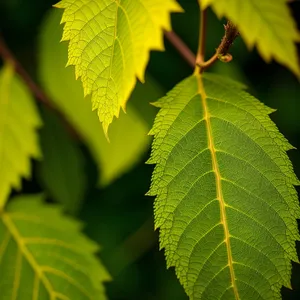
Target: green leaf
x=61, y=171
x=128, y=135
x=109, y=45
x=19, y=121
x=226, y=204
x=43, y=254
x=267, y=24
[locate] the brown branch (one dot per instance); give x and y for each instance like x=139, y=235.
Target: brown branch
x=8, y=56
x=231, y=33
x=202, y=38
x=39, y=94
x=181, y=47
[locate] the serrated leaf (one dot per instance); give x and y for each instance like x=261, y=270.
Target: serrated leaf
x=226, y=204
x=61, y=171
x=19, y=121
x=267, y=24
x=109, y=45
x=128, y=135
x=43, y=254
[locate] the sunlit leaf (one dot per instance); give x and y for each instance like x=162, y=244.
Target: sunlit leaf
x=109, y=44
x=128, y=135
x=19, y=121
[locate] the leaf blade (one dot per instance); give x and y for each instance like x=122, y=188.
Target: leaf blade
x=109, y=46
x=19, y=121
x=128, y=135
x=46, y=248
x=217, y=182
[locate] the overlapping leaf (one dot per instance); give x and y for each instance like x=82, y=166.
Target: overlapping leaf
x=128, y=135
x=109, y=46
x=43, y=255
x=267, y=24
x=61, y=171
x=19, y=121
x=226, y=204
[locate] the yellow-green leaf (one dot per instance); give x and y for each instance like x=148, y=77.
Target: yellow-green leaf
x=128, y=134
x=19, y=121
x=267, y=24
x=43, y=255
x=226, y=204
x=109, y=44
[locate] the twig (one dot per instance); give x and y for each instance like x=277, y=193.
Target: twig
x=181, y=47
x=7, y=55
x=231, y=33
x=202, y=39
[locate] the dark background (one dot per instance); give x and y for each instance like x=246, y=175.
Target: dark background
x=120, y=217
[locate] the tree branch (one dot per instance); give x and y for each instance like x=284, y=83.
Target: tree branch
x=39, y=94
x=181, y=47
x=231, y=33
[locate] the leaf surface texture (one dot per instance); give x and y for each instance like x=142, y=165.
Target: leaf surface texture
x=225, y=203
x=128, y=135
x=109, y=45
x=43, y=255
x=267, y=24
x=19, y=121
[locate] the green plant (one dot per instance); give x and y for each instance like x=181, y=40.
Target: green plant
x=226, y=205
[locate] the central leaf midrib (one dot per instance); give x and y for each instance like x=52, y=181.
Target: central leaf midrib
x=219, y=192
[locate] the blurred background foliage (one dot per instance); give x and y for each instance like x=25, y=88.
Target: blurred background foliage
x=104, y=184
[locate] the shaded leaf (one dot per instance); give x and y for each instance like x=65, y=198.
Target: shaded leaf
x=109, y=45
x=19, y=121
x=128, y=135
x=226, y=204
x=43, y=255
x=62, y=168
x=267, y=24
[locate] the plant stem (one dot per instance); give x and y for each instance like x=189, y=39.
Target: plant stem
x=8, y=56
x=181, y=47
x=39, y=94
x=202, y=39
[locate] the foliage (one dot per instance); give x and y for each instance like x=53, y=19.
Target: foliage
x=225, y=202
x=208, y=181
x=18, y=137
x=267, y=24
x=128, y=136
x=61, y=172
x=44, y=256
x=109, y=46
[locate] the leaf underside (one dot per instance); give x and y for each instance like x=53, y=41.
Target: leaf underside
x=225, y=201
x=109, y=45
x=43, y=255
x=19, y=121
x=267, y=24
